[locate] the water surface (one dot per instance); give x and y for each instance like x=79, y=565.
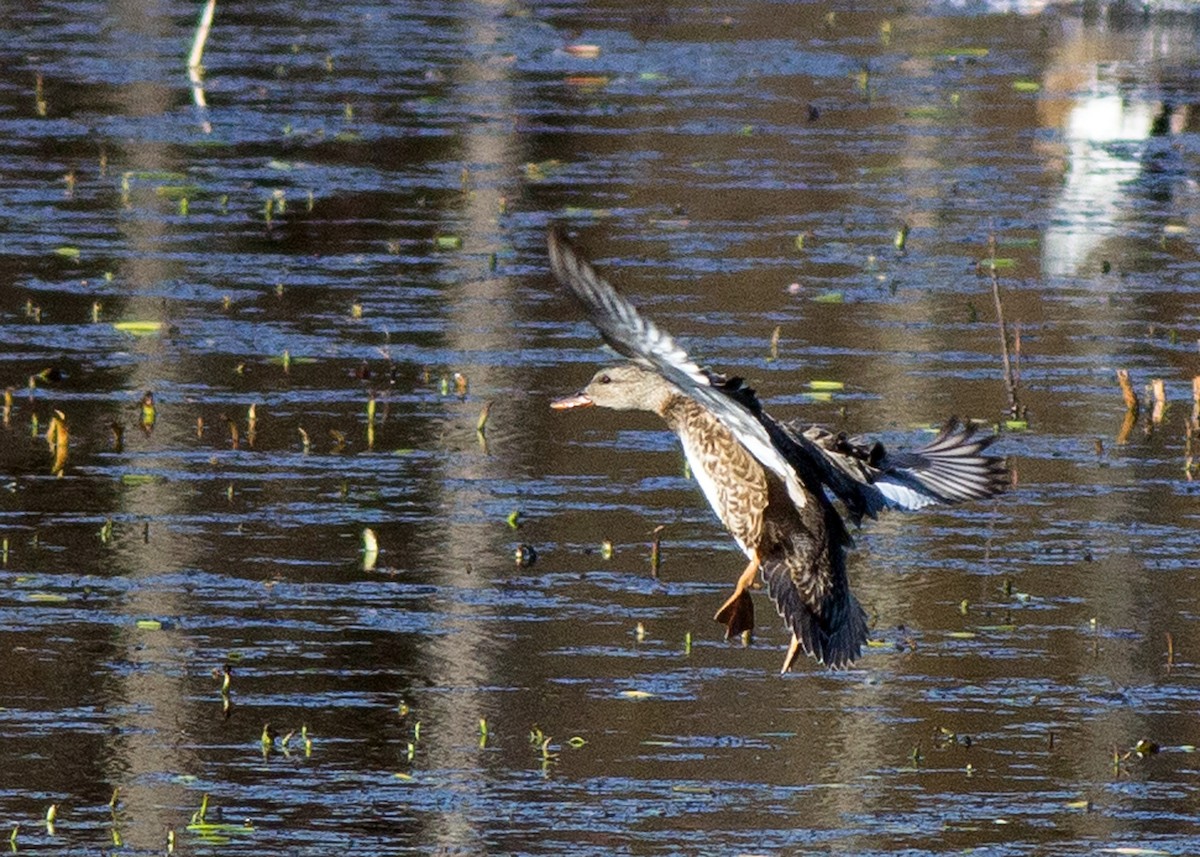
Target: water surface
x=359, y=210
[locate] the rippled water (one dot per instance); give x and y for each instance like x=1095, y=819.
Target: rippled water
x=359, y=211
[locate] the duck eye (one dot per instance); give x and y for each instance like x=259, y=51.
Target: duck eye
x=604, y=379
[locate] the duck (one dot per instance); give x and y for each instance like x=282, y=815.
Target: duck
x=772, y=484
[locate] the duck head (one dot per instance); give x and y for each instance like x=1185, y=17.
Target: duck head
x=626, y=387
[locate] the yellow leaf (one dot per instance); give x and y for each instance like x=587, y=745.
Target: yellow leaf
x=47, y=598
x=140, y=328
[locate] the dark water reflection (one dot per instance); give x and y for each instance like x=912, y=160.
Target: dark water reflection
x=366, y=197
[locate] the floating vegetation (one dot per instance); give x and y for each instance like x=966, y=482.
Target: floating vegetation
x=215, y=833
x=46, y=598
x=140, y=328
x=370, y=549
x=541, y=743
x=177, y=193
x=536, y=172
x=583, y=51
x=587, y=81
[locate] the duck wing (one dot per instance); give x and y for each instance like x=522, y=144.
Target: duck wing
x=805, y=578
x=867, y=477
x=632, y=335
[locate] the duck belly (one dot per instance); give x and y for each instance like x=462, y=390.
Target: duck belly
x=733, y=481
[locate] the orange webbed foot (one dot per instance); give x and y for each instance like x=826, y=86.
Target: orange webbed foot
x=736, y=614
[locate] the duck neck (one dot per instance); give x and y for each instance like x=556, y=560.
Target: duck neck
x=678, y=410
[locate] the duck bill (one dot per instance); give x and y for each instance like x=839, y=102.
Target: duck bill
x=579, y=400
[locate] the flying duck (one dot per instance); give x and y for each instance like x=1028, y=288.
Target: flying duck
x=769, y=482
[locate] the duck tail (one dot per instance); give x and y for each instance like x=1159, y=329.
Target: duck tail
x=832, y=628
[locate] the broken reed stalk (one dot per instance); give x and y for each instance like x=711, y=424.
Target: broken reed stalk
x=58, y=437
x=1010, y=380
x=1127, y=392
x=1193, y=430
x=196, y=71
x=656, y=551
x=1016, y=354
x=1196, y=402
x=1132, y=406
x=202, y=30
x=1159, y=392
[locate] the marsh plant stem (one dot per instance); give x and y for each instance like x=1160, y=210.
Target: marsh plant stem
x=1010, y=380
x=202, y=29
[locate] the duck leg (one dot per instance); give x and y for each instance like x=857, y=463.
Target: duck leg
x=737, y=613
x=792, y=652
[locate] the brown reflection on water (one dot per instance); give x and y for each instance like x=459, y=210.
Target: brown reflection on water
x=480, y=313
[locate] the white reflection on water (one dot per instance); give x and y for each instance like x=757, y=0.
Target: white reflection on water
x=1106, y=116
x=1101, y=133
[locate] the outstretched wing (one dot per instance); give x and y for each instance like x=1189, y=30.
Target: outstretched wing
x=639, y=339
x=952, y=468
